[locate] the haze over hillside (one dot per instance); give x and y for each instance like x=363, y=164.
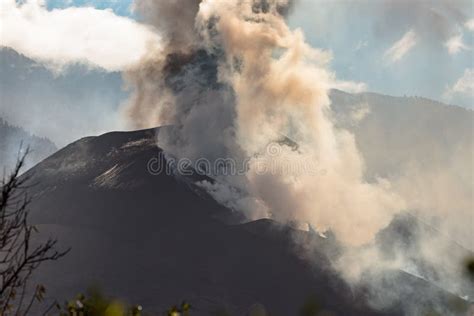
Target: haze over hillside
x=423, y=147
x=15, y=140
x=63, y=106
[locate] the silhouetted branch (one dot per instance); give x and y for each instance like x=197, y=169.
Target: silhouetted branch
x=18, y=258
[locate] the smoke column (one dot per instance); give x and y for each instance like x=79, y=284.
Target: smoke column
x=269, y=83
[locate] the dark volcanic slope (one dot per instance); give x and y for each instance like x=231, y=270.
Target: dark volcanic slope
x=155, y=241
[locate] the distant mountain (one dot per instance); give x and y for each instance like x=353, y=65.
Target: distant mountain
x=392, y=132
x=13, y=139
x=62, y=106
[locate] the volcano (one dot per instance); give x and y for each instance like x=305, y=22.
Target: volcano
x=158, y=239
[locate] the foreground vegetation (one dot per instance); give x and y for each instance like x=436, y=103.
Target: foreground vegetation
x=20, y=256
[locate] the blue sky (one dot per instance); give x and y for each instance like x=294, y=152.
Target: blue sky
x=120, y=7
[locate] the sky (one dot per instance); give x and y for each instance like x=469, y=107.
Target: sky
x=435, y=42
x=119, y=7
x=395, y=47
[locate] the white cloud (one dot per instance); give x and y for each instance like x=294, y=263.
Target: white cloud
x=463, y=86
x=401, y=47
x=470, y=25
x=86, y=35
x=455, y=44
x=349, y=86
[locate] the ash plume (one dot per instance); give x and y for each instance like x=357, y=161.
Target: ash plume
x=267, y=82
x=232, y=78
x=174, y=19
